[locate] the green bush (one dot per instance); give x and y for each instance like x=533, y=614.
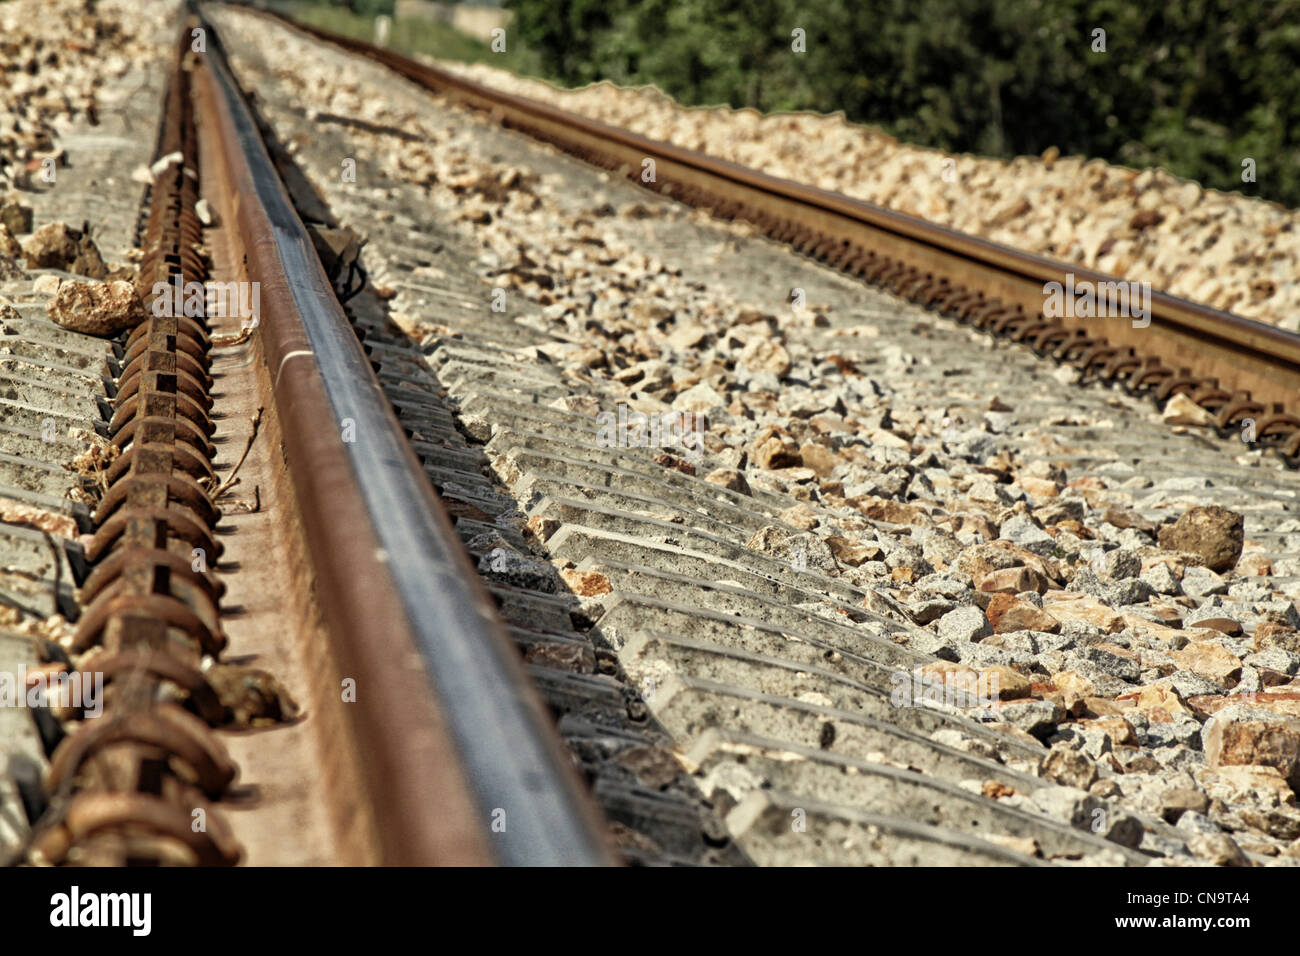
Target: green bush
x=1196, y=86
x=408, y=35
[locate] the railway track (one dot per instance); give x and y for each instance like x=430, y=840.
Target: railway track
x=413, y=700
x=881, y=592
x=1235, y=368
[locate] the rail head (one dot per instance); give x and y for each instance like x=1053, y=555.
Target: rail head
x=399, y=582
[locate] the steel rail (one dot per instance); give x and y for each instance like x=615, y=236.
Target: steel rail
x=1234, y=366
x=401, y=599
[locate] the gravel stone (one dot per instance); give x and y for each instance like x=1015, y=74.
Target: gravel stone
x=1021, y=530
x=1193, y=821
x=1200, y=583
x=96, y=308
x=510, y=567
x=925, y=642
x=1185, y=731
x=1037, y=718
x=1070, y=805
x=963, y=625
x=1113, y=664
x=1069, y=767
x=1161, y=580
x=1213, y=532
x=1118, y=564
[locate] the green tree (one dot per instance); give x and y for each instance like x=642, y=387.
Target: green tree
x=1196, y=86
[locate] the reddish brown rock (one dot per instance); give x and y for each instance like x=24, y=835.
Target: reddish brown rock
x=1071, y=607
x=995, y=790
x=1235, y=742
x=9, y=246
x=1014, y=581
x=1223, y=624
x=1210, y=661
x=1127, y=518
x=773, y=448
x=894, y=512
x=1007, y=613
x=765, y=355
x=586, y=583
x=729, y=478
x=1119, y=730
x=543, y=528
x=1145, y=218
x=15, y=217
x=799, y=516
x=819, y=458
x=252, y=697
x=675, y=462
x=1215, y=533
x=1069, y=768
x=16, y=512
x=96, y=308
x=58, y=246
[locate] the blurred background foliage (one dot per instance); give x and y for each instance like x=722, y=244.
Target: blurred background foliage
x=410, y=35
x=1195, y=86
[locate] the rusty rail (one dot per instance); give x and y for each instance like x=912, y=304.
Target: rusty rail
x=452, y=736
x=446, y=736
x=1234, y=367
x=136, y=782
